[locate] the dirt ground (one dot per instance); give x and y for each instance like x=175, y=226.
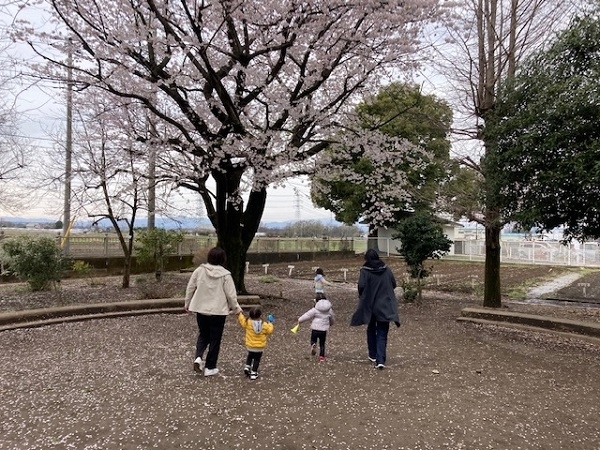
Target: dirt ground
x=128, y=383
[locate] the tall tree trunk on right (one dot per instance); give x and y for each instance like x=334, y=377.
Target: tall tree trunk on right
x=491, y=296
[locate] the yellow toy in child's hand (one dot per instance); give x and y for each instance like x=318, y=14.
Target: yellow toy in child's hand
x=295, y=328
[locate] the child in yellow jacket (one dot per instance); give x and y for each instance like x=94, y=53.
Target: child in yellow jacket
x=256, y=339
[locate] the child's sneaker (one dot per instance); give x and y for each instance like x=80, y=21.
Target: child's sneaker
x=321, y=358
x=313, y=349
x=247, y=370
x=198, y=365
x=253, y=375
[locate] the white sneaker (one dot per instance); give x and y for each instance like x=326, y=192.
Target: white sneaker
x=198, y=365
x=210, y=372
x=253, y=375
x=380, y=367
x=372, y=359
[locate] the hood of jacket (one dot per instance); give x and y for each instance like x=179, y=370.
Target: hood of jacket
x=215, y=271
x=257, y=326
x=378, y=269
x=323, y=305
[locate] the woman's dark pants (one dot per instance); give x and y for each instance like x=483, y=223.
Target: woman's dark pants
x=377, y=333
x=210, y=332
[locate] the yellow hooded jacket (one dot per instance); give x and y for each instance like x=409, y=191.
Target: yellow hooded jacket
x=256, y=332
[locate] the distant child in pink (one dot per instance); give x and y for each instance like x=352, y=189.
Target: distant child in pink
x=322, y=318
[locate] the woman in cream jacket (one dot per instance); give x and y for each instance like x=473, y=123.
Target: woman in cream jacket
x=211, y=294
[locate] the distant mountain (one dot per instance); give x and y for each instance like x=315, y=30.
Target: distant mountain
x=168, y=223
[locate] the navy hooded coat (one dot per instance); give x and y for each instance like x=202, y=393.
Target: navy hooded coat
x=376, y=296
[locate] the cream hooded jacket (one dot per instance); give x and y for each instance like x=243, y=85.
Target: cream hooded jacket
x=211, y=291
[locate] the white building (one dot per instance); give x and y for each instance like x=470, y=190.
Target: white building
x=388, y=245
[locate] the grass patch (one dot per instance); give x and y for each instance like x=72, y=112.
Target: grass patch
x=268, y=279
x=520, y=292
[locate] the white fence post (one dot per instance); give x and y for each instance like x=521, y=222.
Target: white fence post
x=345, y=274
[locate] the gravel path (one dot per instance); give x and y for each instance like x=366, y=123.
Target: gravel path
x=552, y=286
x=128, y=383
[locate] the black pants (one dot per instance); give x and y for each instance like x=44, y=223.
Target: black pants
x=210, y=332
x=318, y=335
x=253, y=360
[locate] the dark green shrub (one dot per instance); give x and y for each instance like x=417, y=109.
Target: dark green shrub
x=411, y=291
x=422, y=238
x=36, y=260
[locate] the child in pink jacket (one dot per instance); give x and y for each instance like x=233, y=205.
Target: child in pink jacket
x=322, y=318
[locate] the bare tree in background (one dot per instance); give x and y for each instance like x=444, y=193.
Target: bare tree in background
x=481, y=50
x=12, y=145
x=110, y=183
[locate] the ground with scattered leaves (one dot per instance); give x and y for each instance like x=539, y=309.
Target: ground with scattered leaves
x=128, y=383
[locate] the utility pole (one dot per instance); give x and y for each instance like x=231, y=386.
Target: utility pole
x=152, y=179
x=298, y=215
x=69, y=153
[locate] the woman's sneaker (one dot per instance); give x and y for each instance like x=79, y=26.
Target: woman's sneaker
x=253, y=375
x=210, y=372
x=247, y=370
x=198, y=365
x=380, y=367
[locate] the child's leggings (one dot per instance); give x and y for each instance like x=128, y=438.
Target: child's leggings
x=318, y=335
x=253, y=360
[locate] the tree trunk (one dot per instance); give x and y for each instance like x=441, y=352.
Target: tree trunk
x=128, y=249
x=235, y=227
x=373, y=238
x=491, y=296
x=126, y=246
x=126, y=272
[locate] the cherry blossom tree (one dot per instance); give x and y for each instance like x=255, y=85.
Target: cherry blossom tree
x=247, y=92
x=374, y=181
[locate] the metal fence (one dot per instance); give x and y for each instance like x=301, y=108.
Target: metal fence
x=521, y=251
x=108, y=245
x=535, y=252
x=518, y=251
